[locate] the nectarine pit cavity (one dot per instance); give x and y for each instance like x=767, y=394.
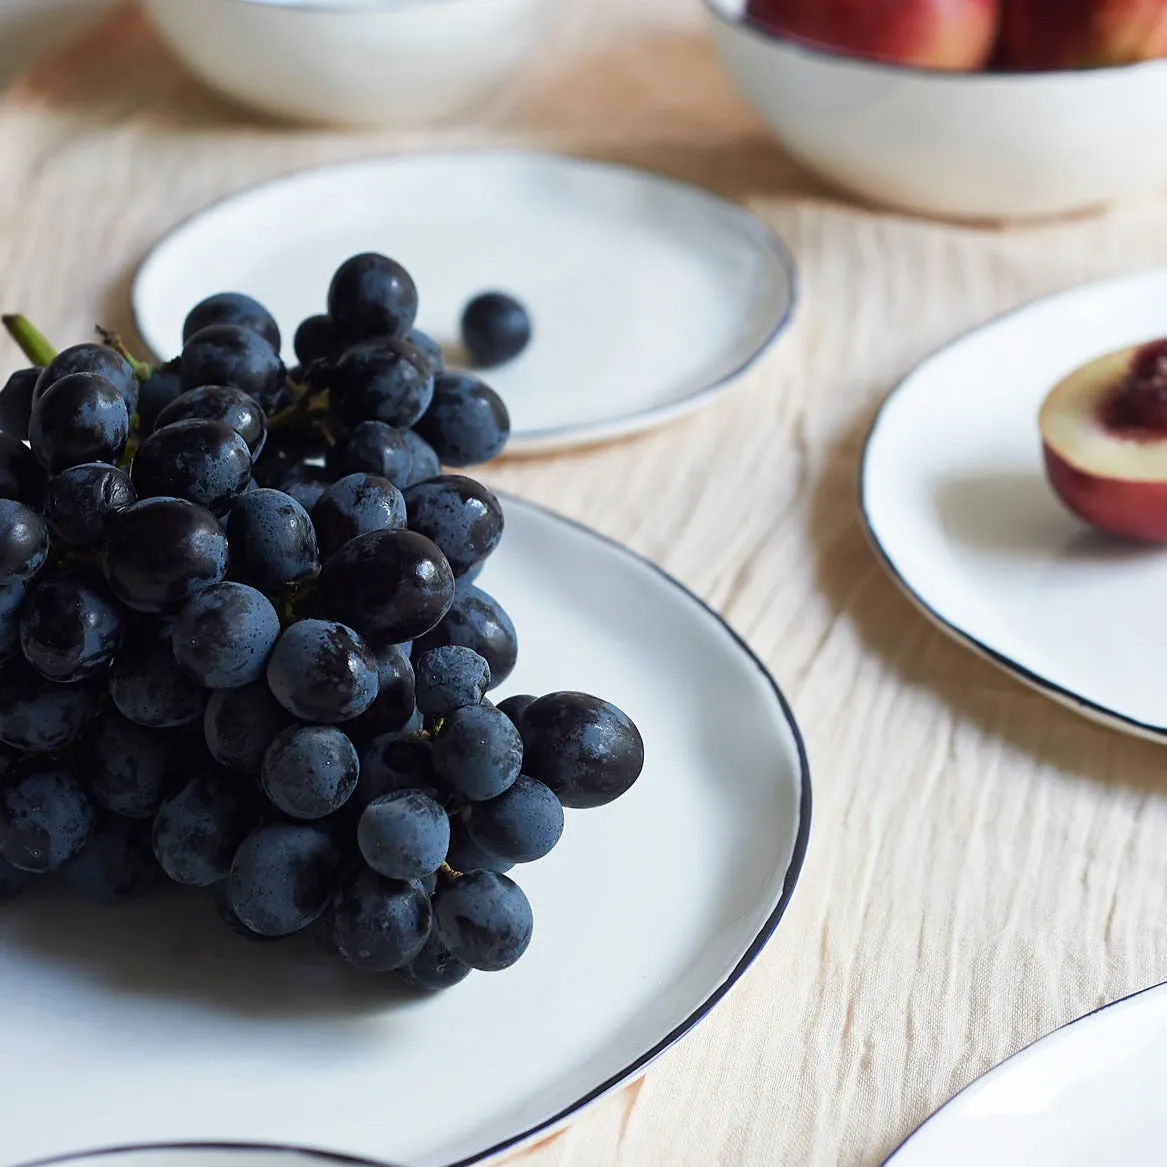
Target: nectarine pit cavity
x=1138, y=406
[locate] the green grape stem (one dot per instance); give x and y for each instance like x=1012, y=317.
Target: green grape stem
x=31, y=340
x=112, y=340
x=449, y=872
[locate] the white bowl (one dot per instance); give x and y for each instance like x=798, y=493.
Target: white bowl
x=355, y=62
x=961, y=145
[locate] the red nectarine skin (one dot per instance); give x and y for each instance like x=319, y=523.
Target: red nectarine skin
x=1134, y=510
x=936, y=34
x=1130, y=30
x=1075, y=34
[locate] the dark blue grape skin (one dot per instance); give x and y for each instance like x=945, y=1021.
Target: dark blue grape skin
x=484, y=920
x=373, y=447
x=12, y=596
x=134, y=767
x=356, y=505
x=306, y=491
x=226, y=354
x=514, y=707
x=221, y=894
x=96, y=359
x=460, y=515
x=478, y=752
x=205, y=462
x=318, y=339
x=16, y=402
x=161, y=552
x=434, y=968
x=322, y=671
x=71, y=626
x=395, y=703
x=80, y=418
x=156, y=392
x=232, y=308
x=466, y=855
x=586, y=750
x=24, y=541
x=310, y=771
x=495, y=329
x=522, y=824
x=13, y=881
x=240, y=724
x=395, y=761
x=273, y=542
x=379, y=924
x=39, y=716
x=381, y=380
x=477, y=621
x=404, y=835
x=148, y=687
x=21, y=476
x=232, y=407
x=424, y=462
x=224, y=636
x=199, y=828
x=283, y=877
x=45, y=816
x=81, y=502
x=116, y=865
x=448, y=678
x=467, y=422
x=429, y=348
x=372, y=295
x=395, y=584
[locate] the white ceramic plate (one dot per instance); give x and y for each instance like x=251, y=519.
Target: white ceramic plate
x=648, y=297
x=955, y=500
x=1090, y=1093
x=207, y=1155
x=152, y=1024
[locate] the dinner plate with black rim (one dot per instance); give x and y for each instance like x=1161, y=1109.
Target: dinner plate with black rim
x=956, y=503
x=1089, y=1093
x=152, y=1024
x=649, y=297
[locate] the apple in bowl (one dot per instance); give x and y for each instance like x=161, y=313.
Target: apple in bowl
x=1104, y=432
x=1038, y=35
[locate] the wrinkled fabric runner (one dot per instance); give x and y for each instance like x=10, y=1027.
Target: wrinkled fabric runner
x=984, y=864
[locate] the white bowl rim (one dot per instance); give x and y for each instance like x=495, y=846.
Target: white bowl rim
x=717, y=10
x=305, y=1154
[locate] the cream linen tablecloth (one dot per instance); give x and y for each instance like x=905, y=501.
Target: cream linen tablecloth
x=984, y=865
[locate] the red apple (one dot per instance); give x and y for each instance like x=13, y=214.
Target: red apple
x=1073, y=34
x=935, y=34
x=1104, y=429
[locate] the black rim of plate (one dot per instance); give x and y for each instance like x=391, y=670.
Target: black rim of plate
x=891, y=1159
x=641, y=1063
x=564, y=436
x=1093, y=710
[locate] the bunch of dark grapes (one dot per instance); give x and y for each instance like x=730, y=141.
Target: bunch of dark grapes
x=242, y=647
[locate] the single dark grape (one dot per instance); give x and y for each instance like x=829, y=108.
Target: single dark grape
x=21, y=476
x=71, y=626
x=461, y=516
x=395, y=584
x=232, y=407
x=80, y=502
x=318, y=339
x=39, y=716
x=45, y=816
x=424, y=462
x=448, y=678
x=322, y=671
x=273, y=542
x=12, y=593
x=157, y=391
x=304, y=488
x=372, y=295
x=478, y=752
x=434, y=968
x=522, y=824
x=495, y=329
x=356, y=505
x=240, y=724
x=466, y=855
x=199, y=828
x=24, y=541
x=232, y=308
x=395, y=702
x=116, y=865
x=484, y=920
x=225, y=634
x=381, y=380
x=147, y=685
x=16, y=402
x=283, y=877
x=379, y=924
x=514, y=707
x=395, y=761
x=586, y=750
x=467, y=422
x=310, y=771
x=221, y=894
x=133, y=767
x=13, y=881
x=96, y=359
x=227, y=354
x=429, y=348
x=374, y=448
x=80, y=418
x=163, y=551
x=404, y=834
x=205, y=462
